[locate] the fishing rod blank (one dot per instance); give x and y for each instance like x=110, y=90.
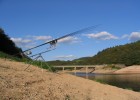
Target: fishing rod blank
x=42, y=52
x=52, y=42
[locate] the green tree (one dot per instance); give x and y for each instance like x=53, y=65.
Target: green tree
x=8, y=46
x=128, y=54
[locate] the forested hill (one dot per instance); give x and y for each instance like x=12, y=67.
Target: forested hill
x=8, y=46
x=128, y=54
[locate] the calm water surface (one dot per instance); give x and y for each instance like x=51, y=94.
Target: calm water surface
x=126, y=81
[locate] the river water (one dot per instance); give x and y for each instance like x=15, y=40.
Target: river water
x=126, y=81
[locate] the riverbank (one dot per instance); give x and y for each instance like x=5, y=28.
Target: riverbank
x=90, y=70
x=135, y=69
x=36, y=84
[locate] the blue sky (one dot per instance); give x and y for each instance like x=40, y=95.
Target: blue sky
x=32, y=22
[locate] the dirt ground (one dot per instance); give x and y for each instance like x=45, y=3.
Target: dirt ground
x=38, y=84
x=131, y=69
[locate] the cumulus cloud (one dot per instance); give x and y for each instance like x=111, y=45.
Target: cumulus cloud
x=43, y=38
x=125, y=36
x=101, y=36
x=30, y=45
x=134, y=36
x=26, y=43
x=21, y=41
x=69, y=39
x=65, y=57
x=31, y=41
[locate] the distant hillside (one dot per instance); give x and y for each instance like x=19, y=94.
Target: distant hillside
x=128, y=54
x=8, y=46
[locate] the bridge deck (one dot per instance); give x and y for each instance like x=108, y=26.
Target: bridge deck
x=77, y=66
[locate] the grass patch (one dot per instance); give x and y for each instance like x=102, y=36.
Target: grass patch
x=100, y=81
x=128, y=88
x=40, y=64
x=6, y=56
x=112, y=67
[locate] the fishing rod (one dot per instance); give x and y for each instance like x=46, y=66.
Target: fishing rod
x=41, y=53
x=53, y=42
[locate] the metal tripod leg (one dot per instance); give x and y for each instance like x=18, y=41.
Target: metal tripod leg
x=45, y=62
x=40, y=56
x=31, y=62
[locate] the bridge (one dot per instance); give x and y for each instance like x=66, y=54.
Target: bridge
x=87, y=67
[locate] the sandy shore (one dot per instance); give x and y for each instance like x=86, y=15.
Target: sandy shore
x=38, y=84
x=135, y=69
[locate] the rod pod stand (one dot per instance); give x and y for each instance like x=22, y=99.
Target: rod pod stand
x=35, y=59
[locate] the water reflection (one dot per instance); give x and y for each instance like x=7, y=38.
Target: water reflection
x=126, y=81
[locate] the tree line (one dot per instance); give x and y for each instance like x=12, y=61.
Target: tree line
x=128, y=54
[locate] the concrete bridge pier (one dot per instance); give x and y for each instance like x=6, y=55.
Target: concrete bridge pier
x=63, y=69
x=75, y=70
x=86, y=72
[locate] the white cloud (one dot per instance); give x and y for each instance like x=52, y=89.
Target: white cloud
x=21, y=40
x=101, y=36
x=65, y=57
x=125, y=36
x=30, y=41
x=43, y=38
x=69, y=39
x=134, y=36
x=30, y=45
x=26, y=43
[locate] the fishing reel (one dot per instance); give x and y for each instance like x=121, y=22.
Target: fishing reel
x=28, y=52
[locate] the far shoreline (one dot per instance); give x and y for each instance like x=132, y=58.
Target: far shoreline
x=135, y=69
